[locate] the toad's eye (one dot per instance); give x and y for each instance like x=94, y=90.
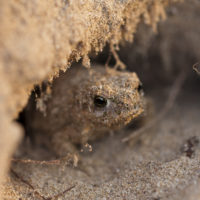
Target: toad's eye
x=100, y=102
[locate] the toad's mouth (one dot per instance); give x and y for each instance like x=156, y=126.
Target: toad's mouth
x=133, y=115
x=124, y=119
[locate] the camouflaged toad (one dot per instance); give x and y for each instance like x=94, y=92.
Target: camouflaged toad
x=86, y=104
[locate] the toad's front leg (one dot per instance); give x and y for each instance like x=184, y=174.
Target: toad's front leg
x=62, y=146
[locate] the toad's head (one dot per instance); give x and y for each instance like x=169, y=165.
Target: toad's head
x=108, y=98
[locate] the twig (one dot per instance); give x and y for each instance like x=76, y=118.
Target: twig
x=37, y=193
x=62, y=193
x=43, y=162
x=119, y=63
x=68, y=158
x=169, y=103
x=28, y=184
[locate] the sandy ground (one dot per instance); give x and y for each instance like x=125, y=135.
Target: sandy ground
x=165, y=165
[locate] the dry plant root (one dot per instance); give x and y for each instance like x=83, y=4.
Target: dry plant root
x=37, y=193
x=67, y=160
x=119, y=64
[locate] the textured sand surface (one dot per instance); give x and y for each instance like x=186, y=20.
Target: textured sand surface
x=163, y=166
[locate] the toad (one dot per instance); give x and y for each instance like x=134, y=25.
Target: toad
x=85, y=104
